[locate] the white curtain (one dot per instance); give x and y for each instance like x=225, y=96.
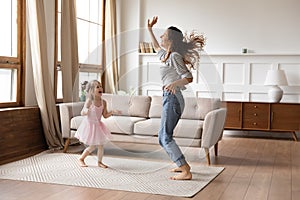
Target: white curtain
x=110, y=77
x=41, y=47
x=69, y=52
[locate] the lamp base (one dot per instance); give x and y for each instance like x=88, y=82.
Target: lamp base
x=275, y=94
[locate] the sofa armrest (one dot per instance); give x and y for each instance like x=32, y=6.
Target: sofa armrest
x=67, y=112
x=213, y=127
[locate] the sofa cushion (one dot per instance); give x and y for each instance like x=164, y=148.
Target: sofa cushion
x=136, y=106
x=121, y=124
x=195, y=108
x=139, y=106
x=147, y=127
x=156, y=107
x=187, y=128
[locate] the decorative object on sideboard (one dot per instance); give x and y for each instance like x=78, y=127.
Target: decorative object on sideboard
x=245, y=50
x=275, y=78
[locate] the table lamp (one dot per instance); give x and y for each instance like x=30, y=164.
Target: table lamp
x=275, y=78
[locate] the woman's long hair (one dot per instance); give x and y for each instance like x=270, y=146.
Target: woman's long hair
x=188, y=45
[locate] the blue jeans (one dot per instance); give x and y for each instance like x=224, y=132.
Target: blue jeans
x=173, y=105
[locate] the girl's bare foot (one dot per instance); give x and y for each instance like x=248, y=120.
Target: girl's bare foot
x=100, y=164
x=82, y=163
x=185, y=173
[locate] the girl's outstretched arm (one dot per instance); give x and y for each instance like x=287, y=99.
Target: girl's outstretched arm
x=107, y=114
x=155, y=43
x=86, y=107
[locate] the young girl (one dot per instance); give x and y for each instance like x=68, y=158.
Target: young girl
x=178, y=54
x=92, y=130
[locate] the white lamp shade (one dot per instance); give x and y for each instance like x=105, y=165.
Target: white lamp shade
x=276, y=77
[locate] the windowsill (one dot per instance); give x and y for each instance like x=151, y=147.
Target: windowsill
x=18, y=108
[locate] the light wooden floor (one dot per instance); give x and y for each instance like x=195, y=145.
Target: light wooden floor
x=255, y=168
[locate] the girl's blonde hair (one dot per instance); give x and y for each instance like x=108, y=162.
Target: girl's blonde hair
x=90, y=89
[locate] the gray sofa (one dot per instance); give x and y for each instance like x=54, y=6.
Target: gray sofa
x=201, y=124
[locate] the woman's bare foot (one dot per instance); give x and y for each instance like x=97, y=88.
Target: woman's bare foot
x=176, y=170
x=82, y=163
x=100, y=164
x=179, y=169
x=185, y=173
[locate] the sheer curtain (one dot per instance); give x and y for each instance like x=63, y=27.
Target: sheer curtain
x=110, y=76
x=69, y=51
x=40, y=54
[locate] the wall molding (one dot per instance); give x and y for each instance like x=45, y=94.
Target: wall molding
x=231, y=77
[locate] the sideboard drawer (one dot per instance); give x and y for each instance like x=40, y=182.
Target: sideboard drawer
x=256, y=116
x=285, y=117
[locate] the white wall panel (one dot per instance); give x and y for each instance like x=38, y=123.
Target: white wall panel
x=292, y=72
x=153, y=72
x=258, y=73
x=207, y=74
x=258, y=97
x=232, y=96
x=206, y=94
x=291, y=97
x=233, y=73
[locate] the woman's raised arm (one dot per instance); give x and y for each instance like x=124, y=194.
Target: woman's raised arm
x=155, y=43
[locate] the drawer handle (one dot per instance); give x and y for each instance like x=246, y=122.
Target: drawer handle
x=255, y=106
x=254, y=123
x=255, y=114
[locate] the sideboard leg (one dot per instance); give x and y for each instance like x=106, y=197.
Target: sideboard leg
x=295, y=136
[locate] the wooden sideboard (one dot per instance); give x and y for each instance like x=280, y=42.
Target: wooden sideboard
x=279, y=117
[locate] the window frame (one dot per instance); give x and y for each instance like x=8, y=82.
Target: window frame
x=83, y=67
x=18, y=62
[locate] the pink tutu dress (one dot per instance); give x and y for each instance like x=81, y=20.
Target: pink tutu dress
x=92, y=131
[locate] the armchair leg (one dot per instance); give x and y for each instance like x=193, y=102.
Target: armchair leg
x=216, y=149
x=207, y=155
x=66, y=145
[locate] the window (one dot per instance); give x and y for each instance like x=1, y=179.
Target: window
x=11, y=63
x=89, y=33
